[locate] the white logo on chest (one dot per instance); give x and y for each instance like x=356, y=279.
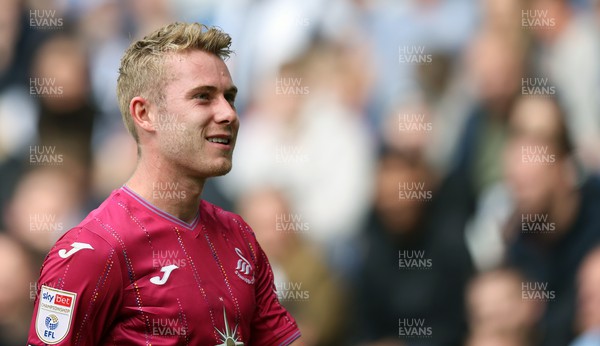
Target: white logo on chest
x=244, y=269
x=75, y=247
x=157, y=280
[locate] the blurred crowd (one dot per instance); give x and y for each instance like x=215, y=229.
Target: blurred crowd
x=419, y=172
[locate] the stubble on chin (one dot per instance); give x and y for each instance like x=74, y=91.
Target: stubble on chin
x=183, y=150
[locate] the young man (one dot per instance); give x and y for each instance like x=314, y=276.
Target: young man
x=154, y=264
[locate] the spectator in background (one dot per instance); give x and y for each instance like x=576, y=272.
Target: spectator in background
x=498, y=315
x=496, y=62
x=104, y=49
x=414, y=265
x=18, y=118
x=305, y=285
x=16, y=275
x=285, y=28
x=18, y=130
x=18, y=43
x=398, y=30
x=503, y=16
x=408, y=127
x=10, y=32
x=62, y=86
x=454, y=85
x=555, y=220
x=149, y=15
x=304, y=137
x=46, y=203
x=114, y=162
x=565, y=57
x=588, y=301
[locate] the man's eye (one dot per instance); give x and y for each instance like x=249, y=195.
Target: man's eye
x=230, y=99
x=203, y=96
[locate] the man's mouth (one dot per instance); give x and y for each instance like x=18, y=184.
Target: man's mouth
x=220, y=139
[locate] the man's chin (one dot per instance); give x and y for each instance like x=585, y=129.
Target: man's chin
x=221, y=172
x=218, y=170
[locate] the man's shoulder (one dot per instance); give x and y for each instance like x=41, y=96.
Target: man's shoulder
x=215, y=213
x=102, y=222
x=211, y=213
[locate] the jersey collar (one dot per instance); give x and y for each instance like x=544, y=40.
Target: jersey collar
x=162, y=213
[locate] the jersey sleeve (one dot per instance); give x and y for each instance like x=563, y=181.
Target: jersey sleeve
x=79, y=290
x=272, y=324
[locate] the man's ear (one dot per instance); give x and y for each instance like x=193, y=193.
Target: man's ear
x=139, y=108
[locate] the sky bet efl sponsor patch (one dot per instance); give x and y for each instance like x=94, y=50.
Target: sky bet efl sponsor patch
x=54, y=315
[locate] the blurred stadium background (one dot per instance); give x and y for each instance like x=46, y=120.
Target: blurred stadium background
x=419, y=172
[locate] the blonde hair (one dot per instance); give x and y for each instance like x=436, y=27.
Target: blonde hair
x=142, y=67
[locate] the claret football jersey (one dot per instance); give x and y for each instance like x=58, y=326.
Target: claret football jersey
x=131, y=274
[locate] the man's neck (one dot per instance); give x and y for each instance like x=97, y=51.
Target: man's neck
x=167, y=188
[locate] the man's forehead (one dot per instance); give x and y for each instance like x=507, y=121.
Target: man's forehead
x=196, y=65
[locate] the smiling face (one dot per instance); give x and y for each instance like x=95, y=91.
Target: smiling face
x=195, y=123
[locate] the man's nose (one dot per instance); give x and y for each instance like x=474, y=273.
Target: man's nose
x=226, y=113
